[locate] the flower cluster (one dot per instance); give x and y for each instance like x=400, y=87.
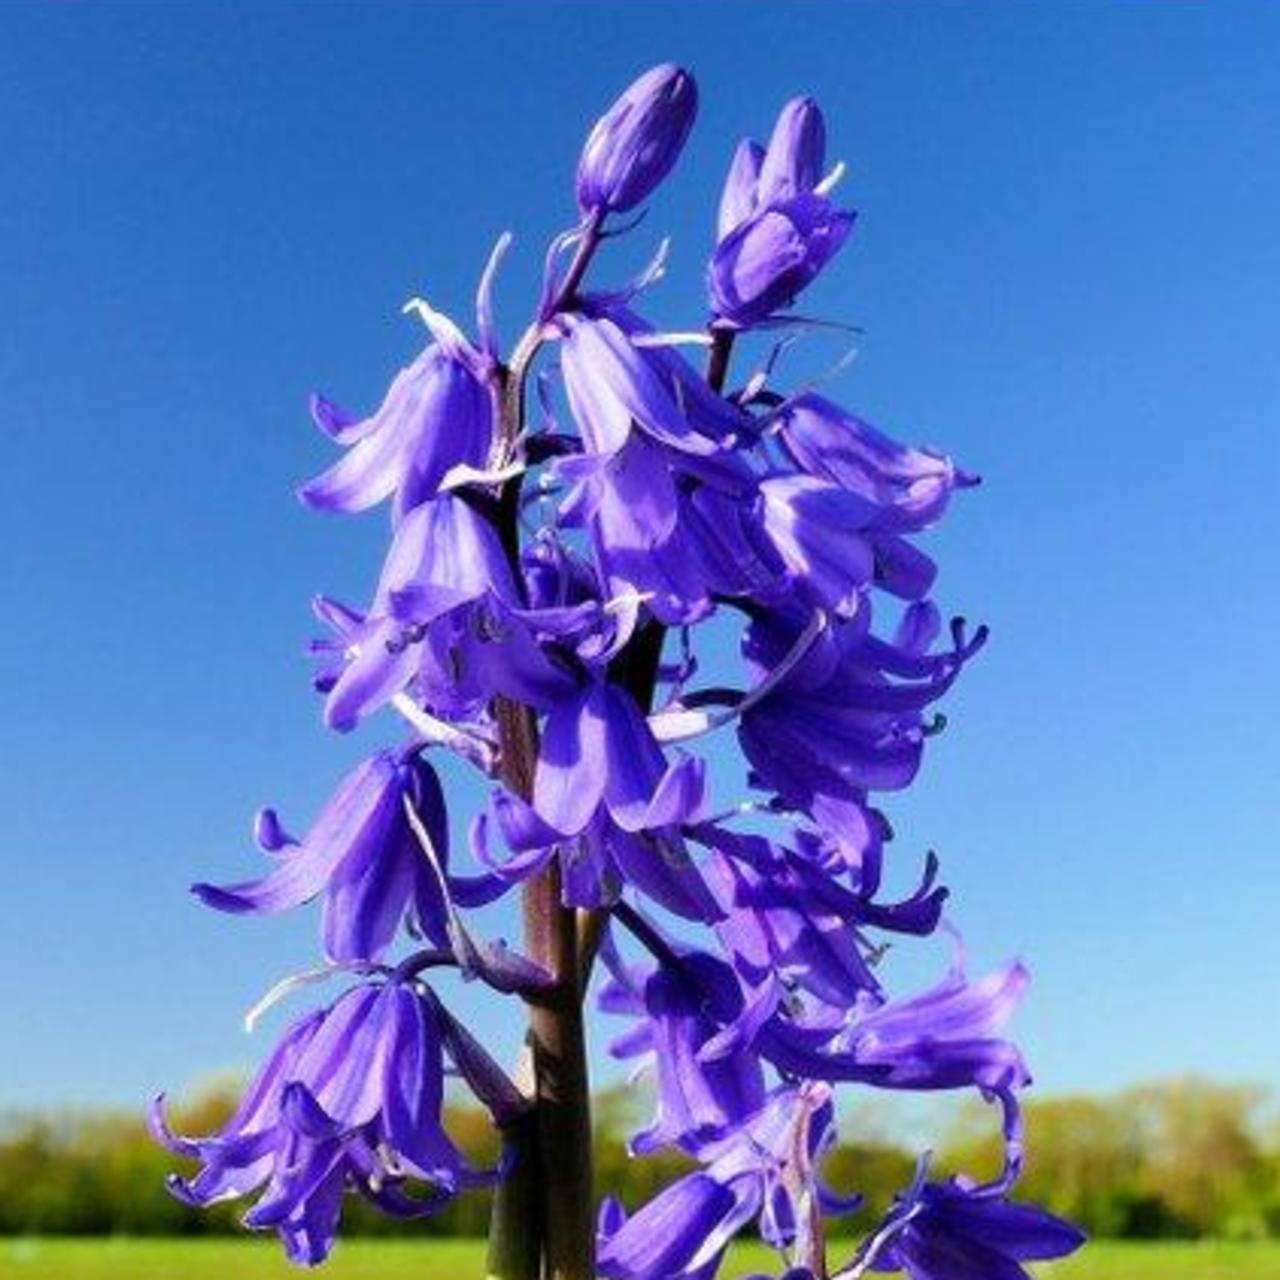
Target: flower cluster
x=539, y=615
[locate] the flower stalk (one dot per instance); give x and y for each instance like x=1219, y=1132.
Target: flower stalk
x=534, y=573
x=542, y=1223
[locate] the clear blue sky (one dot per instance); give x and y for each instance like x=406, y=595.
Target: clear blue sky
x=1067, y=269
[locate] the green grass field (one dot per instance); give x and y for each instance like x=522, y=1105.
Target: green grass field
x=463, y=1260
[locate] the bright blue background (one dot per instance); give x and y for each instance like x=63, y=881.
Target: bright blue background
x=1068, y=274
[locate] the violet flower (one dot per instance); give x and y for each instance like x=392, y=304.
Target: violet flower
x=762, y=266
x=850, y=717
x=609, y=805
x=635, y=144
x=437, y=415
x=683, y=1004
x=955, y=1231
x=659, y=533
x=603, y=859
x=349, y=1101
x=444, y=580
x=362, y=856
x=541, y=613
x=818, y=532
x=948, y=1037
x=616, y=384
x=598, y=752
x=911, y=487
x=766, y=1168
x=785, y=917
x=777, y=229
x=662, y=487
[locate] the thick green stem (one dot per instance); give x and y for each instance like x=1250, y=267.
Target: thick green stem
x=515, y=1225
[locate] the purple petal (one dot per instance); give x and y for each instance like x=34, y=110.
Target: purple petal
x=343, y=1062
x=633, y=761
x=356, y=815
x=679, y=1235
x=764, y=263
x=268, y=832
x=361, y=478
x=680, y=795
x=570, y=780
x=339, y=424
x=819, y=532
x=611, y=384
x=445, y=545
x=738, y=199
x=792, y=165
x=634, y=145
x=661, y=868
x=1022, y=1231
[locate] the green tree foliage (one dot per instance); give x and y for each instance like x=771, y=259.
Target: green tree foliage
x=1184, y=1158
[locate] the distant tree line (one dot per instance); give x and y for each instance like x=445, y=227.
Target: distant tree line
x=1188, y=1158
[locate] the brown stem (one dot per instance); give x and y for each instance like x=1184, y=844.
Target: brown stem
x=718, y=358
x=563, y=1193
x=542, y=1216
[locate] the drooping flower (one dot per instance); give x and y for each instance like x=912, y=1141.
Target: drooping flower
x=608, y=804
x=766, y=1168
x=911, y=487
x=948, y=1037
x=683, y=1005
x=663, y=485
x=819, y=533
x=437, y=415
x=783, y=916
x=849, y=718
x=603, y=859
x=442, y=620
x=362, y=857
x=659, y=532
x=350, y=1100
x=635, y=144
x=598, y=752
x=956, y=1231
x=617, y=383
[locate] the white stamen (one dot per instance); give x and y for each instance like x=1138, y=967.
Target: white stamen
x=678, y=724
x=690, y=338
x=652, y=273
x=627, y=600
x=445, y=734
x=738, y=811
x=283, y=988
x=464, y=948
x=442, y=329
x=876, y=1246
x=463, y=473
x=828, y=183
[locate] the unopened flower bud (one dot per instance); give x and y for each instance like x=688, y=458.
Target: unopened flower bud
x=796, y=153
x=636, y=142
